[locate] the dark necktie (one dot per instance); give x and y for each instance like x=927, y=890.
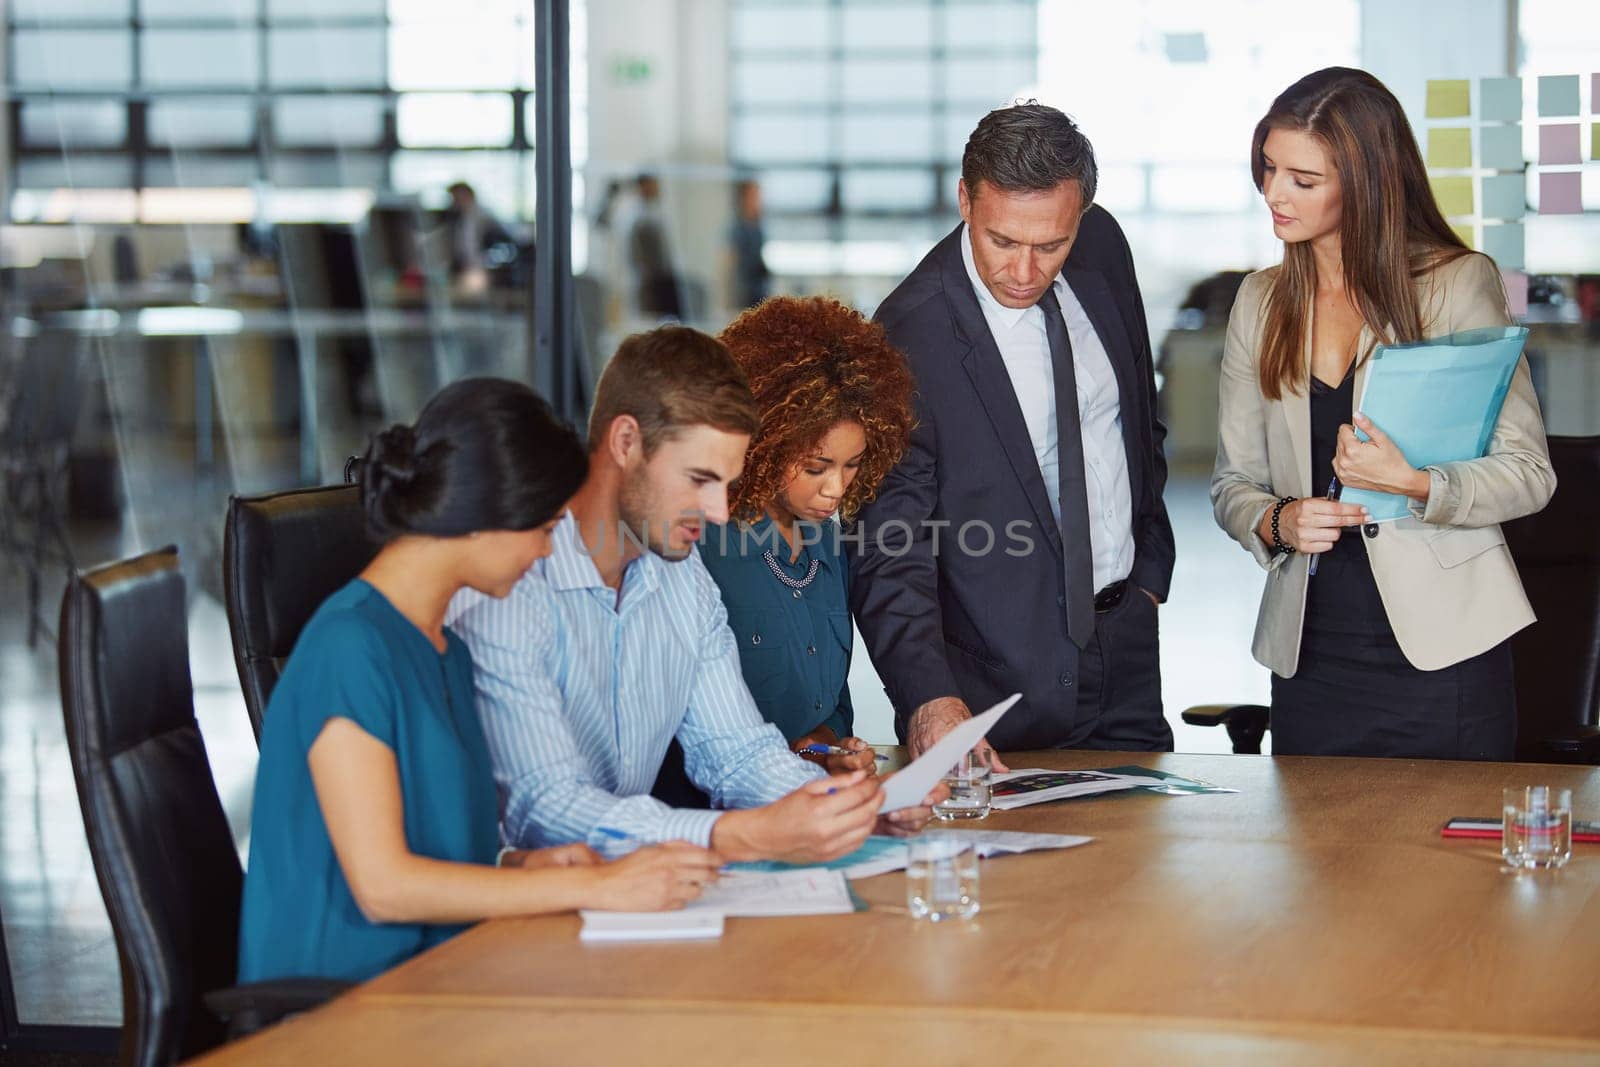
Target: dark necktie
x=1074, y=493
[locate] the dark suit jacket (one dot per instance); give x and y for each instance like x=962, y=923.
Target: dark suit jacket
x=982, y=625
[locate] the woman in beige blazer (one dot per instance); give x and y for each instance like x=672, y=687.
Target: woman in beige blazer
x=1397, y=645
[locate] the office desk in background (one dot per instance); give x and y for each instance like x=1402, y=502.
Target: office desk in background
x=1315, y=916
x=443, y=336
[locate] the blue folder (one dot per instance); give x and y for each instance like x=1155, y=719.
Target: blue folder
x=1438, y=401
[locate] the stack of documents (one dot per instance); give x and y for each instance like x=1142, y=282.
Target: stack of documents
x=1438, y=400
x=880, y=854
x=1018, y=789
x=650, y=925
x=757, y=894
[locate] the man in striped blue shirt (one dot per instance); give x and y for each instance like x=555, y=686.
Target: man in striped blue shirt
x=618, y=642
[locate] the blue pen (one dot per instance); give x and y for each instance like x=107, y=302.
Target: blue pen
x=1333, y=494
x=835, y=750
x=613, y=833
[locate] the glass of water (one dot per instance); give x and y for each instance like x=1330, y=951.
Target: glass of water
x=1537, y=832
x=969, y=789
x=942, y=876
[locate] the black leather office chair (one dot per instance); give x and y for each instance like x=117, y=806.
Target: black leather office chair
x=161, y=847
x=1557, y=659
x=284, y=554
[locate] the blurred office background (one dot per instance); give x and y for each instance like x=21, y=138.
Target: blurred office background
x=240, y=235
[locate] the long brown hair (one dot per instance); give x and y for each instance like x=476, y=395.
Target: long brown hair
x=1390, y=229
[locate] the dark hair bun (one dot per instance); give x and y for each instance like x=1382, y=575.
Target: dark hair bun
x=485, y=454
x=389, y=476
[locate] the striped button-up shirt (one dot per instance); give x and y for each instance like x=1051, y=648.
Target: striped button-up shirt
x=581, y=689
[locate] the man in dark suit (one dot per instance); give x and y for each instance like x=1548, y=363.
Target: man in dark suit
x=1022, y=544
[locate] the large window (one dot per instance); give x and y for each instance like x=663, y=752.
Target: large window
x=402, y=95
x=862, y=109
x=1169, y=90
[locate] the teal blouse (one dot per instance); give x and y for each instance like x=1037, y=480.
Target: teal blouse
x=360, y=659
x=794, y=643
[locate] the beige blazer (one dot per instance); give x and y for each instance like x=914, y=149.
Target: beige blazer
x=1445, y=575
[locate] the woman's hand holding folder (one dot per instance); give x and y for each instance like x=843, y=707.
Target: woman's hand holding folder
x=1376, y=463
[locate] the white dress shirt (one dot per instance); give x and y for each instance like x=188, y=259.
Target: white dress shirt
x=1020, y=336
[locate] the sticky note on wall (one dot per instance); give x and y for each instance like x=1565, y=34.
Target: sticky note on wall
x=1516, y=284
x=1454, y=196
x=1559, y=144
x=1500, y=99
x=1463, y=230
x=1558, y=95
x=1450, y=147
x=1560, y=193
x=1504, y=196
x=1505, y=245
x=1449, y=99
x=1594, y=142
x=1501, y=147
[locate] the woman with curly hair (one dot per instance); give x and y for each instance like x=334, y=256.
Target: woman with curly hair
x=835, y=400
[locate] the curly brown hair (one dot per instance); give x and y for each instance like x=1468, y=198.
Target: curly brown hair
x=814, y=363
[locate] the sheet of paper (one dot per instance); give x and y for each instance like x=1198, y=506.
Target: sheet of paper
x=1500, y=99
x=650, y=925
x=877, y=849
x=907, y=787
x=1010, y=842
x=1504, y=245
x=1505, y=196
x=1454, y=196
x=1561, y=193
x=763, y=894
x=1559, y=144
x=1450, y=147
x=1558, y=95
x=1448, y=99
x=1501, y=148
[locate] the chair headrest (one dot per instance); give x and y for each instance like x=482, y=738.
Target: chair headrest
x=132, y=618
x=288, y=552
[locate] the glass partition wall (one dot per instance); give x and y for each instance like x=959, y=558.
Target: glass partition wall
x=239, y=236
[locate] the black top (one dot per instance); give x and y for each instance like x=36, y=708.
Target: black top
x=1342, y=597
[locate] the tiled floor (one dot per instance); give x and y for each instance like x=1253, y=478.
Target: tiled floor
x=62, y=959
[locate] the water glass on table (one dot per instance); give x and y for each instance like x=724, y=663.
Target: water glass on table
x=969, y=784
x=1537, y=832
x=942, y=876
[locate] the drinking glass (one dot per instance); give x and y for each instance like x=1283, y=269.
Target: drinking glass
x=969, y=789
x=1537, y=832
x=942, y=876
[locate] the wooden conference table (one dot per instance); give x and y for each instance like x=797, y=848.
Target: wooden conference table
x=1314, y=916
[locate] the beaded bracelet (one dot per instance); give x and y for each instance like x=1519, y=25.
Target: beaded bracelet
x=1278, y=543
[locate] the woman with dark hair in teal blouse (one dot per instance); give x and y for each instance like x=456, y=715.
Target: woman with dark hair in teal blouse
x=835, y=401
x=374, y=833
